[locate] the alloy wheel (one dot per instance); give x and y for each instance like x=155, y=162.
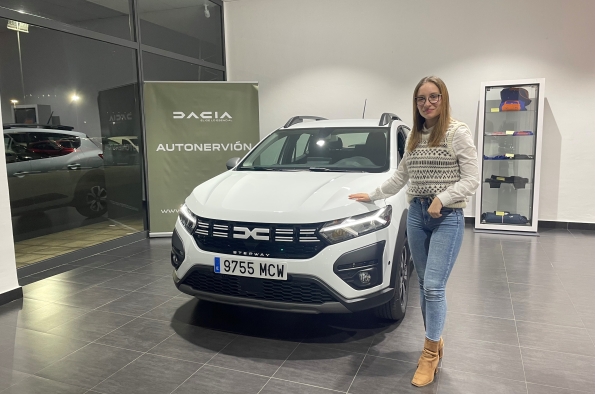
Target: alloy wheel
x=96, y=198
x=403, y=275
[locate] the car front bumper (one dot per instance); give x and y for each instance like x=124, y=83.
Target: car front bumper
x=312, y=284
x=341, y=305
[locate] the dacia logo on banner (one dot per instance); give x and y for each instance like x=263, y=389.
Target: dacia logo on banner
x=205, y=116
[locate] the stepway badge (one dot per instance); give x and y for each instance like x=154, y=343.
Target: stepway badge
x=217, y=265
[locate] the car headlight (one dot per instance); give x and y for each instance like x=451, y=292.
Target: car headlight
x=187, y=218
x=355, y=226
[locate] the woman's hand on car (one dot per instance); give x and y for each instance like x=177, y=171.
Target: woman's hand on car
x=361, y=197
x=435, y=207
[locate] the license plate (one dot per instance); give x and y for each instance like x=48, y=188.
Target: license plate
x=253, y=269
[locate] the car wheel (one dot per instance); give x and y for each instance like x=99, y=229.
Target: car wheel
x=395, y=309
x=92, y=200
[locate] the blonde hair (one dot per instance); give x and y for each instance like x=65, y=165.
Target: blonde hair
x=439, y=130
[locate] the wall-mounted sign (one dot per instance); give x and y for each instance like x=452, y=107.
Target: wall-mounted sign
x=18, y=26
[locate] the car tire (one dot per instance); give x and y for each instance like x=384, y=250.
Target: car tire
x=396, y=308
x=91, y=199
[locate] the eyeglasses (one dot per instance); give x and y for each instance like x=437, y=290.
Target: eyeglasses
x=433, y=99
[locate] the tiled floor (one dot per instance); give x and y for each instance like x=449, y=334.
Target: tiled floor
x=521, y=320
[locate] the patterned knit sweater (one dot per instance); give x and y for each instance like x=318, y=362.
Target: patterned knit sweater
x=448, y=171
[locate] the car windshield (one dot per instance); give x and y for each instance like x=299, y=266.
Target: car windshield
x=322, y=149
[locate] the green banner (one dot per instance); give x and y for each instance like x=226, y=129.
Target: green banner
x=193, y=128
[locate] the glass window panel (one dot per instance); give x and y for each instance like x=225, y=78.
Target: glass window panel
x=209, y=74
x=161, y=68
x=103, y=16
x=188, y=27
x=68, y=189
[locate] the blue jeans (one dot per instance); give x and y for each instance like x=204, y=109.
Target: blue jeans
x=434, y=244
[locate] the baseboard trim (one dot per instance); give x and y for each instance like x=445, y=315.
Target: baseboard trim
x=53, y=262
x=551, y=224
x=11, y=295
x=567, y=225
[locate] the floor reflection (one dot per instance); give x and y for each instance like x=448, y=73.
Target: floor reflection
x=43, y=235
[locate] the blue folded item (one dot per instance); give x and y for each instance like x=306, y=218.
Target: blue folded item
x=504, y=157
x=497, y=157
x=507, y=218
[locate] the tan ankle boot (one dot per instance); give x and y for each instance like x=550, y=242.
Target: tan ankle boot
x=440, y=351
x=428, y=364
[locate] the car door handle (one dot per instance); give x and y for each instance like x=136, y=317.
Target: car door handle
x=74, y=166
x=20, y=174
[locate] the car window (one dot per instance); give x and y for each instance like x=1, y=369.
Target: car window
x=270, y=156
x=402, y=132
x=20, y=138
x=300, y=146
x=353, y=139
x=11, y=157
x=71, y=140
x=45, y=145
x=322, y=149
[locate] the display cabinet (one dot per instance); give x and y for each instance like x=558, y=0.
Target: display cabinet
x=509, y=150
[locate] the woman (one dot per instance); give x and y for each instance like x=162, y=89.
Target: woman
x=440, y=164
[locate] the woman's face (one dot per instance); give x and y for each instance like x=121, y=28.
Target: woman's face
x=427, y=93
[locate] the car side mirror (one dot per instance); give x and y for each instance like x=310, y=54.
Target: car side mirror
x=231, y=163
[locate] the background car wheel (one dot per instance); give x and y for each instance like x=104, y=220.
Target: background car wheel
x=395, y=309
x=91, y=200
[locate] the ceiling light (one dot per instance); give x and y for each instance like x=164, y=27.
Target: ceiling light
x=207, y=13
x=14, y=101
x=75, y=97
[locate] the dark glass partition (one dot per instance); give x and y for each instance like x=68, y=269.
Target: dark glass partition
x=74, y=181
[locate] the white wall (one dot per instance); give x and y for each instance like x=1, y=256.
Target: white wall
x=8, y=265
x=324, y=57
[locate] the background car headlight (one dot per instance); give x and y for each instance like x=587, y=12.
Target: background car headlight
x=187, y=218
x=354, y=226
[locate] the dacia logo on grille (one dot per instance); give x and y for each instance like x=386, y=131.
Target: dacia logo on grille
x=255, y=254
x=260, y=234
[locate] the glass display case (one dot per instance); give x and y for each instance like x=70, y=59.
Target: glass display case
x=509, y=150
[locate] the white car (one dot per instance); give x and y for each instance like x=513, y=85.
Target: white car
x=278, y=232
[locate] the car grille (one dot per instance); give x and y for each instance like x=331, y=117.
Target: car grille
x=300, y=241
x=294, y=290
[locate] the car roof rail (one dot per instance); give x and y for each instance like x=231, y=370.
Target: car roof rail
x=387, y=118
x=300, y=119
x=36, y=126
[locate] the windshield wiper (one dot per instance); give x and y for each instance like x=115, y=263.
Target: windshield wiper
x=324, y=169
x=255, y=169
x=266, y=169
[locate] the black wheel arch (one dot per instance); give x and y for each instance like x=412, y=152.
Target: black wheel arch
x=400, y=242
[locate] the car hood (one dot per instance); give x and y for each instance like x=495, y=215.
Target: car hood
x=283, y=197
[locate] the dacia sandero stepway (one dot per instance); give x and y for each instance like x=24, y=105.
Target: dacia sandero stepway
x=278, y=232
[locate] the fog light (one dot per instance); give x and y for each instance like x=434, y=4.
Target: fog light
x=177, y=257
x=365, y=278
